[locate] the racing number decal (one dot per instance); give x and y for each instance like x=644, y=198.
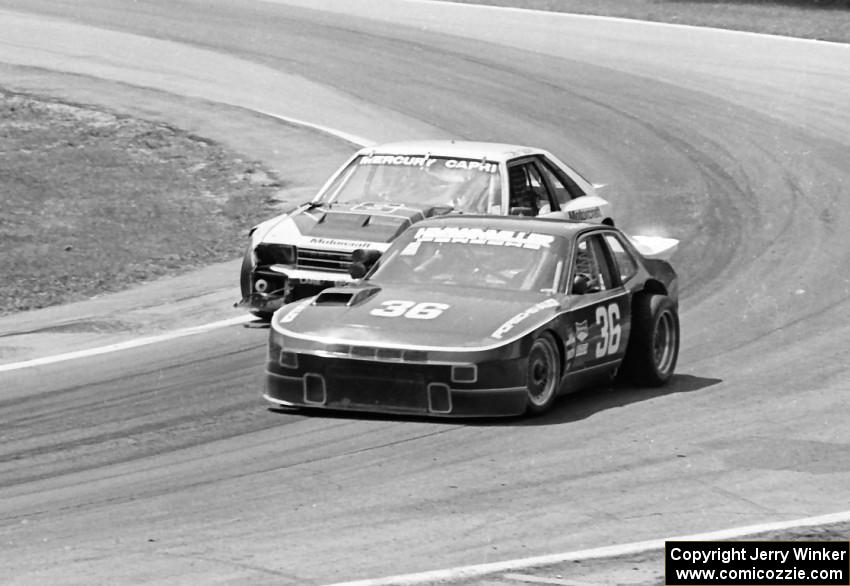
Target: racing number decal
x=409, y=309
x=609, y=322
x=392, y=308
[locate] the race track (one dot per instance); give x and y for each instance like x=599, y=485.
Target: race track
x=163, y=464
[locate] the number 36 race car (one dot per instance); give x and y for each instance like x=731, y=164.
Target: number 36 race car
x=383, y=190
x=478, y=316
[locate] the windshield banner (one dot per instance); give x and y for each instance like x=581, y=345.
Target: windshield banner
x=427, y=162
x=529, y=240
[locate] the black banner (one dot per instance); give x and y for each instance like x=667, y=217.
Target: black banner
x=757, y=563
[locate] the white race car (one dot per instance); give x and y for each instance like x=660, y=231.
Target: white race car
x=384, y=189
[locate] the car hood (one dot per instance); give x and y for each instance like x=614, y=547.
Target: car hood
x=335, y=226
x=436, y=317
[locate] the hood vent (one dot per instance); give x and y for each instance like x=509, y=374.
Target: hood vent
x=361, y=222
x=346, y=296
x=334, y=298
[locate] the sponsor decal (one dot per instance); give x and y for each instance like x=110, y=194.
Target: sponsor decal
x=471, y=165
x=400, y=160
x=581, y=350
x=373, y=207
x=570, y=346
x=352, y=244
x=518, y=318
x=293, y=313
x=581, y=330
x=426, y=162
x=530, y=240
x=585, y=214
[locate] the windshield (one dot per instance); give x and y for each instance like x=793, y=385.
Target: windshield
x=475, y=257
x=464, y=184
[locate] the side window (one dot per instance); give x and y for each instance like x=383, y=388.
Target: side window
x=565, y=188
x=528, y=194
x=591, y=266
x=624, y=260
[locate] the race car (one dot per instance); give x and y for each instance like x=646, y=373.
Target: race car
x=472, y=316
x=382, y=190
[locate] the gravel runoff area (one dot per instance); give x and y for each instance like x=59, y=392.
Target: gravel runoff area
x=94, y=201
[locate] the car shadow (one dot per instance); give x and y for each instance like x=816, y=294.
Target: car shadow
x=572, y=407
x=587, y=402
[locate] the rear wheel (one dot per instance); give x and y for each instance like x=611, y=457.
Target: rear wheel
x=654, y=342
x=542, y=375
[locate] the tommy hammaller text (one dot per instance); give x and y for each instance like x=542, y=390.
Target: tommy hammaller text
x=743, y=553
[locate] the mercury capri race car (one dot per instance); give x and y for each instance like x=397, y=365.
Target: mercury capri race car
x=478, y=316
x=382, y=190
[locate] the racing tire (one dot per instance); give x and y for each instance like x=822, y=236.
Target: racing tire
x=654, y=342
x=542, y=375
x=245, y=272
x=246, y=282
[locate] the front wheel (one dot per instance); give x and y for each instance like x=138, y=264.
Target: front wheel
x=246, y=282
x=245, y=272
x=654, y=343
x=542, y=375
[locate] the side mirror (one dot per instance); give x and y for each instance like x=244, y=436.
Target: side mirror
x=362, y=260
x=580, y=284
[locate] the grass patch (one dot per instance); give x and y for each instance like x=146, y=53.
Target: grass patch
x=94, y=202
x=827, y=20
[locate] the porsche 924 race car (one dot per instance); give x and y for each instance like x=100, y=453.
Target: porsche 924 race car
x=382, y=190
x=479, y=316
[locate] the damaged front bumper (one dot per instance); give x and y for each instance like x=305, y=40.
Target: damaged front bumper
x=263, y=303
x=289, y=284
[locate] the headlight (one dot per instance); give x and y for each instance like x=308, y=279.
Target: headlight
x=269, y=253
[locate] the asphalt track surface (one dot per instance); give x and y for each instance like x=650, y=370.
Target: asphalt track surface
x=162, y=464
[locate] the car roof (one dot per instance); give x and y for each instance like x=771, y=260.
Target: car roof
x=553, y=226
x=492, y=151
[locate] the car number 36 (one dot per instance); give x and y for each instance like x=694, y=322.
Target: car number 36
x=409, y=309
x=609, y=322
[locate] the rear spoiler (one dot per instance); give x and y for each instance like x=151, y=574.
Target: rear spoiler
x=654, y=246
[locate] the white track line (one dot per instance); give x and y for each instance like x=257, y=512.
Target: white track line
x=462, y=572
x=127, y=345
x=352, y=138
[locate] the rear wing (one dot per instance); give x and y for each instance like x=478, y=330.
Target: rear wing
x=654, y=246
